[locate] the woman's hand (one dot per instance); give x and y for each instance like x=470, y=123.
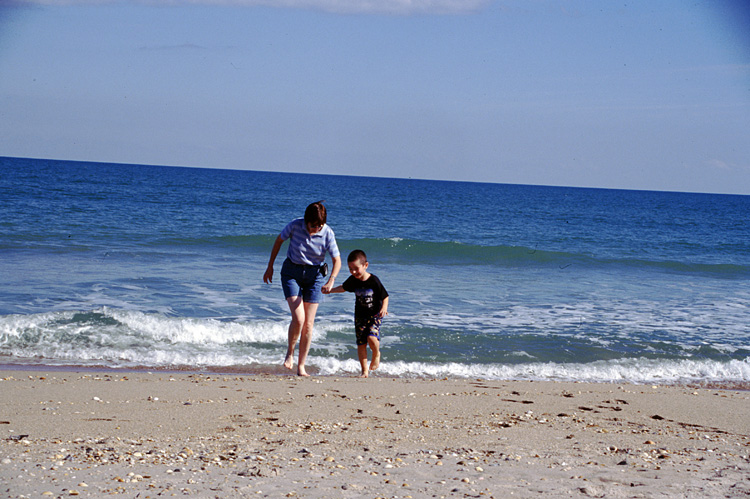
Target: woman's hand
x=326, y=288
x=268, y=276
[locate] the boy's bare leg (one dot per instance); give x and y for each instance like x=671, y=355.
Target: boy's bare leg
x=295, y=328
x=306, y=337
x=362, y=354
x=375, y=347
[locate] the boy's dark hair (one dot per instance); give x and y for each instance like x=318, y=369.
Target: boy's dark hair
x=315, y=214
x=356, y=256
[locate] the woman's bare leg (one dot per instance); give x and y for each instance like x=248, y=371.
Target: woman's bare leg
x=295, y=328
x=305, y=339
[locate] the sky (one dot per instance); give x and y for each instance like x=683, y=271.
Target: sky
x=650, y=95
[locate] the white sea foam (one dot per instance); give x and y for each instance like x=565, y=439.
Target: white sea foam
x=192, y=330
x=130, y=325
x=626, y=370
x=125, y=338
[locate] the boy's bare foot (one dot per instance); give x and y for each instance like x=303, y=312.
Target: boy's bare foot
x=365, y=374
x=375, y=361
x=301, y=371
x=289, y=361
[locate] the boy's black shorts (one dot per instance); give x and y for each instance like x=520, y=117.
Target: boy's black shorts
x=367, y=326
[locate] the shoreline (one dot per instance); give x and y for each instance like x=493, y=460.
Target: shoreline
x=98, y=433
x=279, y=370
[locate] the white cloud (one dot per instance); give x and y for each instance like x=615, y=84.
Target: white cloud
x=718, y=164
x=396, y=7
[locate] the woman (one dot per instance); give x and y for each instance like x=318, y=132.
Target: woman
x=303, y=275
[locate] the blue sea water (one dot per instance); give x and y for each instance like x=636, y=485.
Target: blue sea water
x=161, y=267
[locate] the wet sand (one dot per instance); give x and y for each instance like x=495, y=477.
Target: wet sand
x=149, y=435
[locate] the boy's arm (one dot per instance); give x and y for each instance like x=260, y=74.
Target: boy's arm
x=384, y=308
x=337, y=289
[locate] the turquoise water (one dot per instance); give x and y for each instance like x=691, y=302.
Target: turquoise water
x=159, y=267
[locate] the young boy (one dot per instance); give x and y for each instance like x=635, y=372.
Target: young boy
x=369, y=309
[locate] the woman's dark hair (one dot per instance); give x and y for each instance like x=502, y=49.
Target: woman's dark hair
x=315, y=214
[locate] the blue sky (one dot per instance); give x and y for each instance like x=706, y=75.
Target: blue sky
x=634, y=95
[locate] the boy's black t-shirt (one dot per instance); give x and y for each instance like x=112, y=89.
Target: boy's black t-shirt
x=370, y=295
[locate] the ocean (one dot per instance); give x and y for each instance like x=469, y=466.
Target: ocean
x=153, y=267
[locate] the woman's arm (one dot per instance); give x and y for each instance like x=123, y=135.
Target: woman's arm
x=268, y=276
x=336, y=267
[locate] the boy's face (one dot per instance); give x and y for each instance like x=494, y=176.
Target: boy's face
x=358, y=269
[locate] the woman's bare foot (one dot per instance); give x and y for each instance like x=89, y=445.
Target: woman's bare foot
x=301, y=371
x=289, y=361
x=365, y=374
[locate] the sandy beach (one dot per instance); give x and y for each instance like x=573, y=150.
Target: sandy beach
x=149, y=435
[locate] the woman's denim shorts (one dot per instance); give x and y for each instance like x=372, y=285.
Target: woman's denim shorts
x=302, y=280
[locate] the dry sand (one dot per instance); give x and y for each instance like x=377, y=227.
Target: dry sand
x=149, y=435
